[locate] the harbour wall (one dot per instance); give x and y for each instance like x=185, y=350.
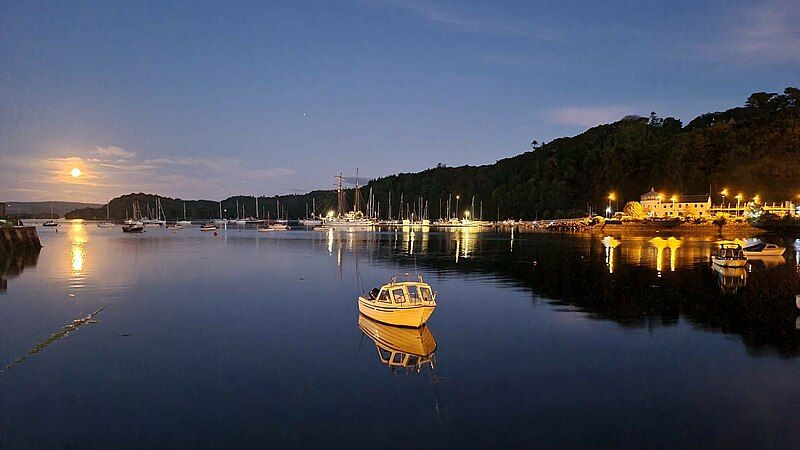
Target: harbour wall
x=13, y=238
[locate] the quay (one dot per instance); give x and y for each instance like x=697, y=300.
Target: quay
x=18, y=237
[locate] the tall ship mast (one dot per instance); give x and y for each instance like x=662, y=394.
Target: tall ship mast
x=344, y=218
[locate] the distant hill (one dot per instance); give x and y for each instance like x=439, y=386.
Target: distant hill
x=43, y=209
x=750, y=149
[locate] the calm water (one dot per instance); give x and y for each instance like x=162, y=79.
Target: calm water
x=251, y=340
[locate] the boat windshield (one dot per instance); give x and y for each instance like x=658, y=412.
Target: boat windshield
x=425, y=293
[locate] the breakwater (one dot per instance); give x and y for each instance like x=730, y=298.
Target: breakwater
x=13, y=238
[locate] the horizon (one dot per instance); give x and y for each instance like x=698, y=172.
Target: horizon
x=212, y=101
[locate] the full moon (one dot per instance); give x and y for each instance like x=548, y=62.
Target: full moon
x=75, y=172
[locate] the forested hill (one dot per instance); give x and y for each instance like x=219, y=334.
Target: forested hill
x=751, y=149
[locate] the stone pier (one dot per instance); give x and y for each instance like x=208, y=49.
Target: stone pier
x=15, y=238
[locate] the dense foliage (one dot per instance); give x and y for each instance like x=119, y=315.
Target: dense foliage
x=750, y=149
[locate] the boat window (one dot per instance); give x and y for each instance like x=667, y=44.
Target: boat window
x=384, y=354
x=425, y=293
x=384, y=296
x=412, y=294
x=398, y=358
x=399, y=295
x=413, y=360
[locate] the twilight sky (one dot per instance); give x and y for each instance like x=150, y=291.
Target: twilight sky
x=207, y=100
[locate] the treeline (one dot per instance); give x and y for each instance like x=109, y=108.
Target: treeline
x=751, y=149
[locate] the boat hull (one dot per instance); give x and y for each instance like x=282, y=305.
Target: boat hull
x=766, y=252
x=414, y=341
x=406, y=316
x=729, y=262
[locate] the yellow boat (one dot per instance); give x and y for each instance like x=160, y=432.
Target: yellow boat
x=407, y=303
x=409, y=348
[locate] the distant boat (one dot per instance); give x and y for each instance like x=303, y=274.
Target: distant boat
x=133, y=229
x=406, y=303
x=762, y=249
x=274, y=227
x=185, y=221
x=729, y=254
x=51, y=222
x=208, y=227
x=107, y=223
x=348, y=219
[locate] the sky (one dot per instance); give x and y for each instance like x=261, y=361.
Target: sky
x=212, y=99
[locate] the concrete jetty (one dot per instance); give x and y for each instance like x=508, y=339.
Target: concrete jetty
x=20, y=237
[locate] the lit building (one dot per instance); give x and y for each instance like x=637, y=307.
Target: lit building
x=659, y=205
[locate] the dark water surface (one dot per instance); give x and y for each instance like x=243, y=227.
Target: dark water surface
x=252, y=340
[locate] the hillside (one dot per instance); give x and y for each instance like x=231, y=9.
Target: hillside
x=751, y=149
x=43, y=209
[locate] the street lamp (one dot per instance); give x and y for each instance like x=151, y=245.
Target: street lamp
x=660, y=198
x=724, y=194
x=457, y=197
x=466, y=214
x=756, y=198
x=674, y=199
x=611, y=197
x=739, y=198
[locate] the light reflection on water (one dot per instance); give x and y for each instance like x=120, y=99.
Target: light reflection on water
x=251, y=337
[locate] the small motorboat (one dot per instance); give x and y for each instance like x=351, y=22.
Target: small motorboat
x=729, y=254
x=105, y=225
x=50, y=223
x=133, y=229
x=175, y=226
x=208, y=227
x=762, y=249
x=406, y=303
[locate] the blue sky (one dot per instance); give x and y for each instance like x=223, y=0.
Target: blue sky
x=207, y=100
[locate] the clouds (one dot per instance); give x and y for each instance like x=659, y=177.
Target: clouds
x=589, y=116
x=117, y=152
x=112, y=171
x=767, y=32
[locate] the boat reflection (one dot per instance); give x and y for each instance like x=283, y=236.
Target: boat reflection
x=400, y=348
x=730, y=279
x=13, y=263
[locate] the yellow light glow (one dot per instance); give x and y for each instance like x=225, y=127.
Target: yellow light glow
x=466, y=214
x=674, y=198
x=612, y=196
x=724, y=192
x=757, y=198
x=739, y=196
x=330, y=213
x=75, y=172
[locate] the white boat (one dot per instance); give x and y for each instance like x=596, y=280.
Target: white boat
x=354, y=219
x=274, y=227
x=185, y=221
x=406, y=303
x=175, y=226
x=729, y=254
x=208, y=227
x=762, y=249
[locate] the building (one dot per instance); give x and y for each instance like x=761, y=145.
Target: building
x=659, y=205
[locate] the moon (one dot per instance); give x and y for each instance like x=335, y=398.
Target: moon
x=75, y=172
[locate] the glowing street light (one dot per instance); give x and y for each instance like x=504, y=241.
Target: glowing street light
x=724, y=194
x=611, y=197
x=756, y=198
x=660, y=198
x=457, y=197
x=466, y=214
x=739, y=198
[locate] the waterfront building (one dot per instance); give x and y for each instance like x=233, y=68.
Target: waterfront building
x=661, y=206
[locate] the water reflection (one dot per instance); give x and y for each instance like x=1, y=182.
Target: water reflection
x=400, y=348
x=78, y=238
x=13, y=263
x=610, y=244
x=661, y=244
x=730, y=279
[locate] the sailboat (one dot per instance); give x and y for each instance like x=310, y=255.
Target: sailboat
x=312, y=220
x=51, y=222
x=221, y=220
x=106, y=223
x=184, y=221
x=348, y=219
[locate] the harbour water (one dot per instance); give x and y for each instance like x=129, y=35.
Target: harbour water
x=183, y=339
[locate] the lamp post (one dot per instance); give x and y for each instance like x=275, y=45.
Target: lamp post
x=611, y=198
x=724, y=194
x=739, y=198
x=457, y=197
x=674, y=199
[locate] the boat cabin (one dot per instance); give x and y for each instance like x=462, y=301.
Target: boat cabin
x=404, y=292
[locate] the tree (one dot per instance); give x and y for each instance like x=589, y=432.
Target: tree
x=635, y=210
x=534, y=144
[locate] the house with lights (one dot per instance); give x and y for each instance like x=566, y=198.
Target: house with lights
x=661, y=206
